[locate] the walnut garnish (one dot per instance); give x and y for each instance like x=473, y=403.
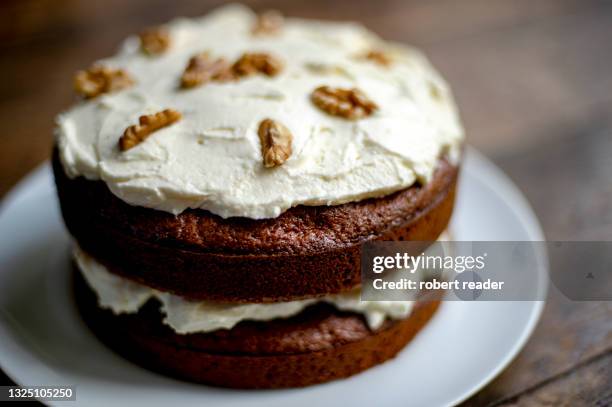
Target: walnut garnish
x=154, y=41
x=251, y=63
x=268, y=23
x=348, y=103
x=327, y=69
x=435, y=91
x=147, y=124
x=201, y=69
x=378, y=57
x=99, y=79
x=275, y=141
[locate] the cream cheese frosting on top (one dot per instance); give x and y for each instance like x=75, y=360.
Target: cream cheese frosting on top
x=211, y=158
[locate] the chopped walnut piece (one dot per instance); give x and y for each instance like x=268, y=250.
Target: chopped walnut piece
x=154, y=41
x=327, y=69
x=147, y=124
x=275, y=141
x=252, y=63
x=201, y=69
x=348, y=103
x=435, y=91
x=100, y=79
x=268, y=23
x=378, y=57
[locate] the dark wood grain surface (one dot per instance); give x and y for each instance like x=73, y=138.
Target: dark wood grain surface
x=534, y=83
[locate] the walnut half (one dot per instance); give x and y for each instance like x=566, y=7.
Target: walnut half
x=155, y=40
x=251, y=63
x=268, y=23
x=99, y=79
x=348, y=103
x=147, y=124
x=201, y=69
x=275, y=141
x=378, y=57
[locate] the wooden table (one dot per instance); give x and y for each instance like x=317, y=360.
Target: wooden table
x=534, y=82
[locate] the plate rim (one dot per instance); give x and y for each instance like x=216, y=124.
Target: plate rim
x=534, y=230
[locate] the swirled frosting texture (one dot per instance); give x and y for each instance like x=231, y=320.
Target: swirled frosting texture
x=211, y=159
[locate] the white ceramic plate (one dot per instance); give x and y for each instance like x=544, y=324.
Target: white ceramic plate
x=43, y=341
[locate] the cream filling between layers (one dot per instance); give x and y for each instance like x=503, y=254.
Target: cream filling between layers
x=122, y=295
x=211, y=158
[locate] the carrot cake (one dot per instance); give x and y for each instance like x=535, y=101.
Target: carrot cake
x=219, y=176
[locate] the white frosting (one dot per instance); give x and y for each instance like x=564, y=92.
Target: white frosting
x=211, y=159
x=125, y=296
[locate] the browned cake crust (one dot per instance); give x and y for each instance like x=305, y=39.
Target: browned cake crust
x=307, y=251
x=318, y=345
